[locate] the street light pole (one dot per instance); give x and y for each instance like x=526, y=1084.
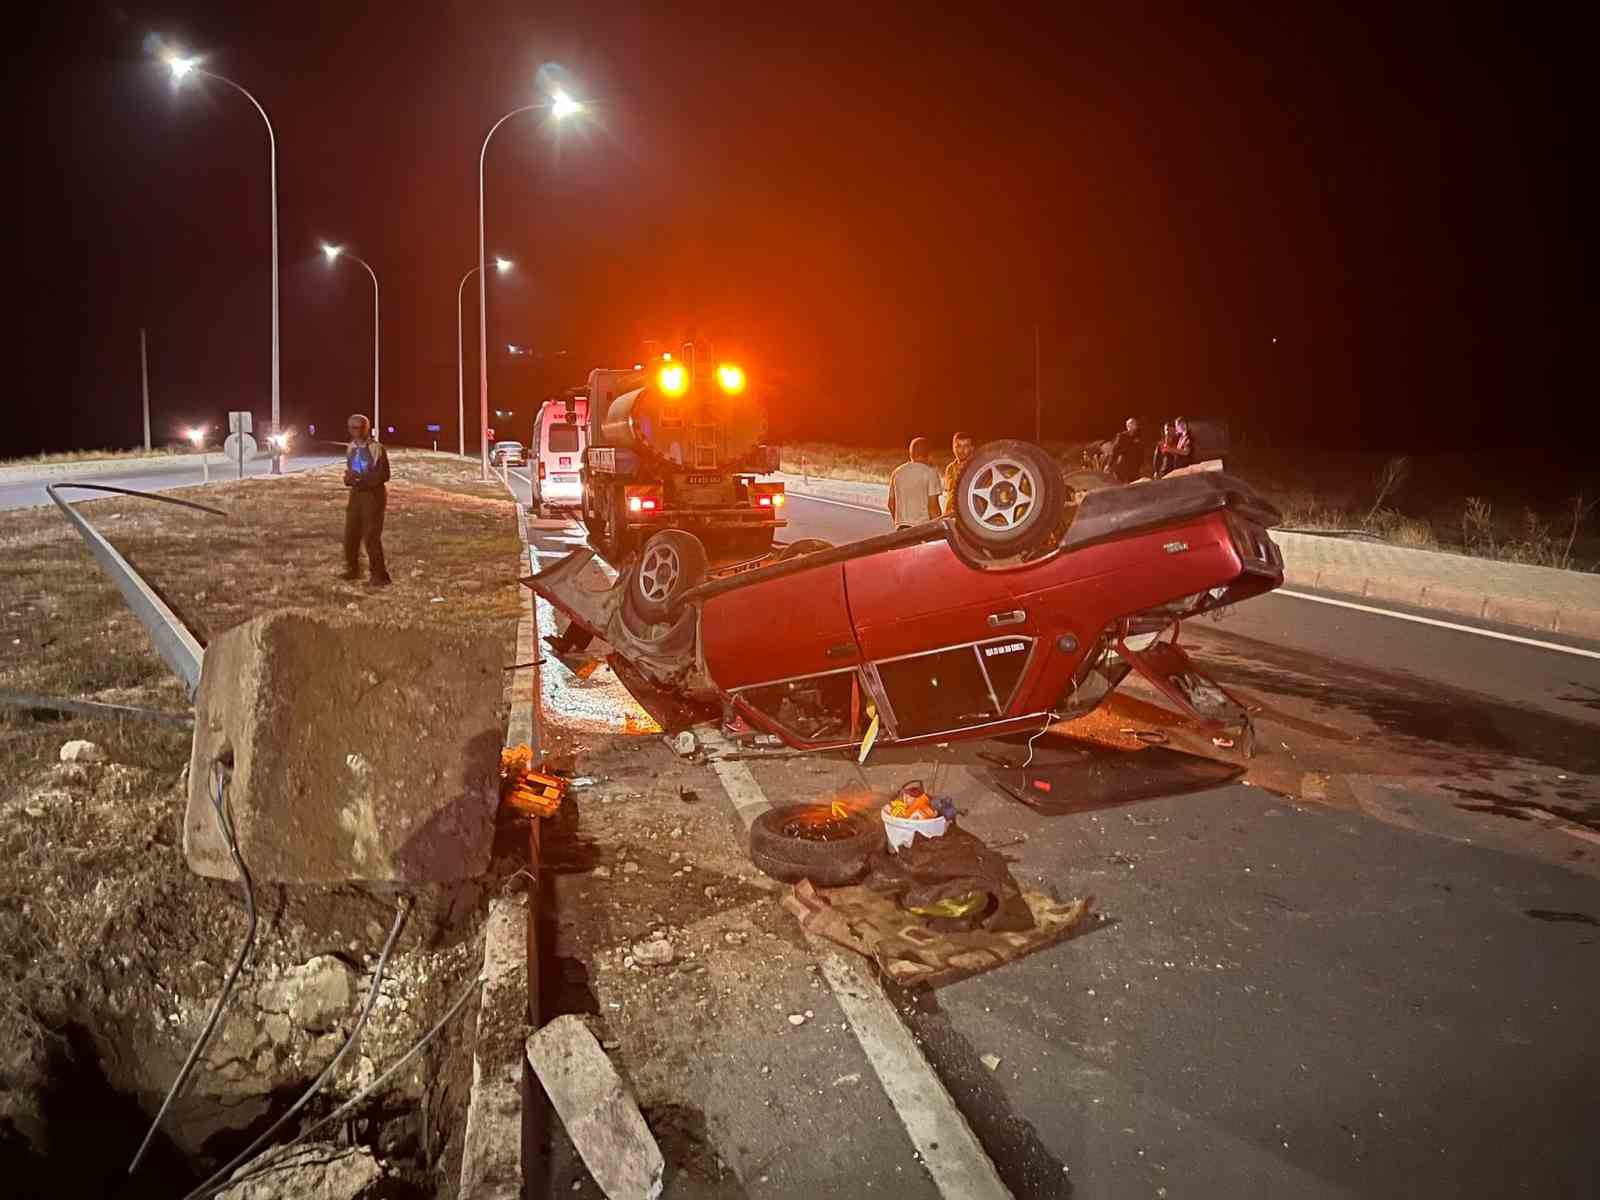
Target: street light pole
x=561, y=106
x=502, y=265
x=334, y=252
x=181, y=67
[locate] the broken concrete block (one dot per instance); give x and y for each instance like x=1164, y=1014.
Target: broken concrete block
x=310, y=1172
x=80, y=751
x=358, y=751
x=599, y=1113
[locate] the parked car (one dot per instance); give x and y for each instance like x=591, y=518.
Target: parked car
x=1022, y=608
x=510, y=454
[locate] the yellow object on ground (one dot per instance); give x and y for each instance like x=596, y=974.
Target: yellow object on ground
x=525, y=789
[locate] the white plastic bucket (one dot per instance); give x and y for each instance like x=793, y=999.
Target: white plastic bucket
x=902, y=831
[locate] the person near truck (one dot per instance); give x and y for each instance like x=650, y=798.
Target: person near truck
x=1127, y=452
x=961, y=446
x=914, y=488
x=366, y=471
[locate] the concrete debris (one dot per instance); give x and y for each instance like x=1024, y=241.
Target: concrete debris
x=685, y=743
x=599, y=1113
x=80, y=751
x=335, y=778
x=992, y=1061
x=311, y=1172
x=656, y=952
x=315, y=996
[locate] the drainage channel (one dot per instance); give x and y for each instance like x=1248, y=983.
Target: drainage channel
x=352, y=1033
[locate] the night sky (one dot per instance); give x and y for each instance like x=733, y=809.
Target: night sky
x=869, y=206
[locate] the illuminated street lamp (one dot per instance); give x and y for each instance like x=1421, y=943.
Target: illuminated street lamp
x=502, y=265
x=332, y=253
x=561, y=106
x=181, y=68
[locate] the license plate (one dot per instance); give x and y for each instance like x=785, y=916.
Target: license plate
x=704, y=479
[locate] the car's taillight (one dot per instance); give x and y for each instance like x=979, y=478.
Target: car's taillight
x=767, y=495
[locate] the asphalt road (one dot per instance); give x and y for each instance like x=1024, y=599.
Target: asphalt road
x=1386, y=992
x=30, y=493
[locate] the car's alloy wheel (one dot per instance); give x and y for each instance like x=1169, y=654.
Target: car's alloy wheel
x=1009, y=497
x=659, y=569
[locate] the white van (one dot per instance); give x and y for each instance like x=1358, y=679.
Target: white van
x=559, y=435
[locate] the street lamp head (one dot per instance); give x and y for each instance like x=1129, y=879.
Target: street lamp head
x=331, y=251
x=563, y=106
x=502, y=264
x=179, y=66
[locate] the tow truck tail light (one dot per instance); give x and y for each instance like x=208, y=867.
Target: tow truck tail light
x=643, y=500
x=767, y=495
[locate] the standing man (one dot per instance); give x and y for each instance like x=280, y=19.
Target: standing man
x=366, y=470
x=914, y=488
x=1127, y=452
x=961, y=446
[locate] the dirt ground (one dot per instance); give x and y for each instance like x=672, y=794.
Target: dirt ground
x=111, y=952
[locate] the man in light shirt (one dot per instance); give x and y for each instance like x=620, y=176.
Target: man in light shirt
x=914, y=488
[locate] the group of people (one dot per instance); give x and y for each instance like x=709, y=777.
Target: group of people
x=1129, y=453
x=917, y=491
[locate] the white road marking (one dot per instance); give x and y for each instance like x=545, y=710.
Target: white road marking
x=523, y=477
x=949, y=1149
x=882, y=512
x=1400, y=616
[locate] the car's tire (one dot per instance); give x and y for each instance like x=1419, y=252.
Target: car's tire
x=1009, y=497
x=830, y=863
x=669, y=564
x=1081, y=483
x=802, y=547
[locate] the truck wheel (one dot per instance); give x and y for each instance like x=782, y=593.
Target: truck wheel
x=1009, y=497
x=834, y=853
x=669, y=564
x=620, y=540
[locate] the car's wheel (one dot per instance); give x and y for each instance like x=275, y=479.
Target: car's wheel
x=802, y=547
x=1009, y=497
x=806, y=841
x=1080, y=483
x=669, y=564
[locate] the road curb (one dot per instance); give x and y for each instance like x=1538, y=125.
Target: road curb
x=496, y=1148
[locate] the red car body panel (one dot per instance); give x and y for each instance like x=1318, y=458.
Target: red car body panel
x=797, y=622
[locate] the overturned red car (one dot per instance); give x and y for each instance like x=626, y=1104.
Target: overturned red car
x=1029, y=605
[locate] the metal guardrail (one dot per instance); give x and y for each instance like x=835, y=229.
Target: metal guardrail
x=173, y=641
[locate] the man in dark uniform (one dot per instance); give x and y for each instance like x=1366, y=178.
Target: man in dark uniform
x=366, y=470
x=1127, y=452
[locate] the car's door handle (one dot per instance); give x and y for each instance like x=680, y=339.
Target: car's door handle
x=1015, y=617
x=844, y=650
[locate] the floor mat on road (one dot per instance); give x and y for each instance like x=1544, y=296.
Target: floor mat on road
x=1073, y=778
x=905, y=949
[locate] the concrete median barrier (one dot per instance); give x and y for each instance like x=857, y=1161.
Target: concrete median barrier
x=353, y=751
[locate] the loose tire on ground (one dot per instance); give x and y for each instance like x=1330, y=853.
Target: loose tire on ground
x=830, y=864
x=1009, y=498
x=669, y=564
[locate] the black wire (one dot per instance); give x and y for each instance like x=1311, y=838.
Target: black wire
x=225, y=827
x=244, y=1155
x=122, y=491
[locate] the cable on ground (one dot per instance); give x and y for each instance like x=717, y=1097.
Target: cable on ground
x=221, y=1173
x=225, y=827
x=456, y=1006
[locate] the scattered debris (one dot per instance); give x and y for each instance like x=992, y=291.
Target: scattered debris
x=527, y=789
x=80, y=751
x=797, y=1018
x=630, y=867
x=992, y=1061
x=602, y=872
x=684, y=744
x=656, y=952
x=599, y=1113
x=1223, y=743
x=310, y=1172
